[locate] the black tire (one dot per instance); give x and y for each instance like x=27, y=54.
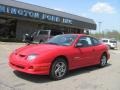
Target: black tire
x=58, y=67
x=103, y=60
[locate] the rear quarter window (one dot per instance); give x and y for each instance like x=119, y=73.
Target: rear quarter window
x=54, y=33
x=111, y=41
x=96, y=41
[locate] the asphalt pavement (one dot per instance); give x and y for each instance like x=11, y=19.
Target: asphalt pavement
x=90, y=78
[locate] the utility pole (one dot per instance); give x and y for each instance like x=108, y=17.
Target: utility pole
x=100, y=27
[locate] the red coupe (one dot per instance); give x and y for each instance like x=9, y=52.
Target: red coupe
x=59, y=54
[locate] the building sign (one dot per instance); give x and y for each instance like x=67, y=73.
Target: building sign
x=33, y=14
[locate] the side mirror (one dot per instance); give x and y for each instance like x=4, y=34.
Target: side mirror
x=79, y=45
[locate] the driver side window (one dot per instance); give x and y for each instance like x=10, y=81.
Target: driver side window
x=85, y=41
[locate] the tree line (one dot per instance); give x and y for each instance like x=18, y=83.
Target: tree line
x=114, y=34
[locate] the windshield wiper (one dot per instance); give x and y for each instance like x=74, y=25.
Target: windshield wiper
x=51, y=43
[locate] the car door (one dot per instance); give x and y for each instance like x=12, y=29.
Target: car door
x=98, y=50
x=84, y=54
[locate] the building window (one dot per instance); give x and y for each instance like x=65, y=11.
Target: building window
x=7, y=28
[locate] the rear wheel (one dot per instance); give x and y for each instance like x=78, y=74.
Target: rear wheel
x=58, y=69
x=103, y=61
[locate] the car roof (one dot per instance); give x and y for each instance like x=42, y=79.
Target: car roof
x=77, y=34
x=108, y=39
x=105, y=39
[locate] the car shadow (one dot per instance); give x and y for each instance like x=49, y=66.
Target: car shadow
x=32, y=78
x=46, y=79
x=85, y=70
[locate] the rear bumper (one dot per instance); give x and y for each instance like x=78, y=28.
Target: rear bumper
x=112, y=45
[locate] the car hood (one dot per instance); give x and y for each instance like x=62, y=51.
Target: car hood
x=38, y=49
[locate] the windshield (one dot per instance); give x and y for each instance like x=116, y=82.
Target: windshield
x=113, y=41
x=43, y=32
x=104, y=40
x=62, y=40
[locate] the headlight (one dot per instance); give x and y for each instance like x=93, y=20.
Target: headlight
x=31, y=57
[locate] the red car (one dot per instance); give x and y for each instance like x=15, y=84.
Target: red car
x=59, y=55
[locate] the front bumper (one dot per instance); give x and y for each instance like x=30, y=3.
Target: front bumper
x=28, y=67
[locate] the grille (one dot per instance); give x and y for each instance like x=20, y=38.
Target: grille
x=22, y=55
x=18, y=66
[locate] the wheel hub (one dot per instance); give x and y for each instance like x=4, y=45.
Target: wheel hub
x=60, y=69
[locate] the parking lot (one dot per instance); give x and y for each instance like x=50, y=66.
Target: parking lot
x=90, y=78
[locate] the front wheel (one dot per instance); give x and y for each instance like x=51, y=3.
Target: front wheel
x=103, y=61
x=58, y=69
